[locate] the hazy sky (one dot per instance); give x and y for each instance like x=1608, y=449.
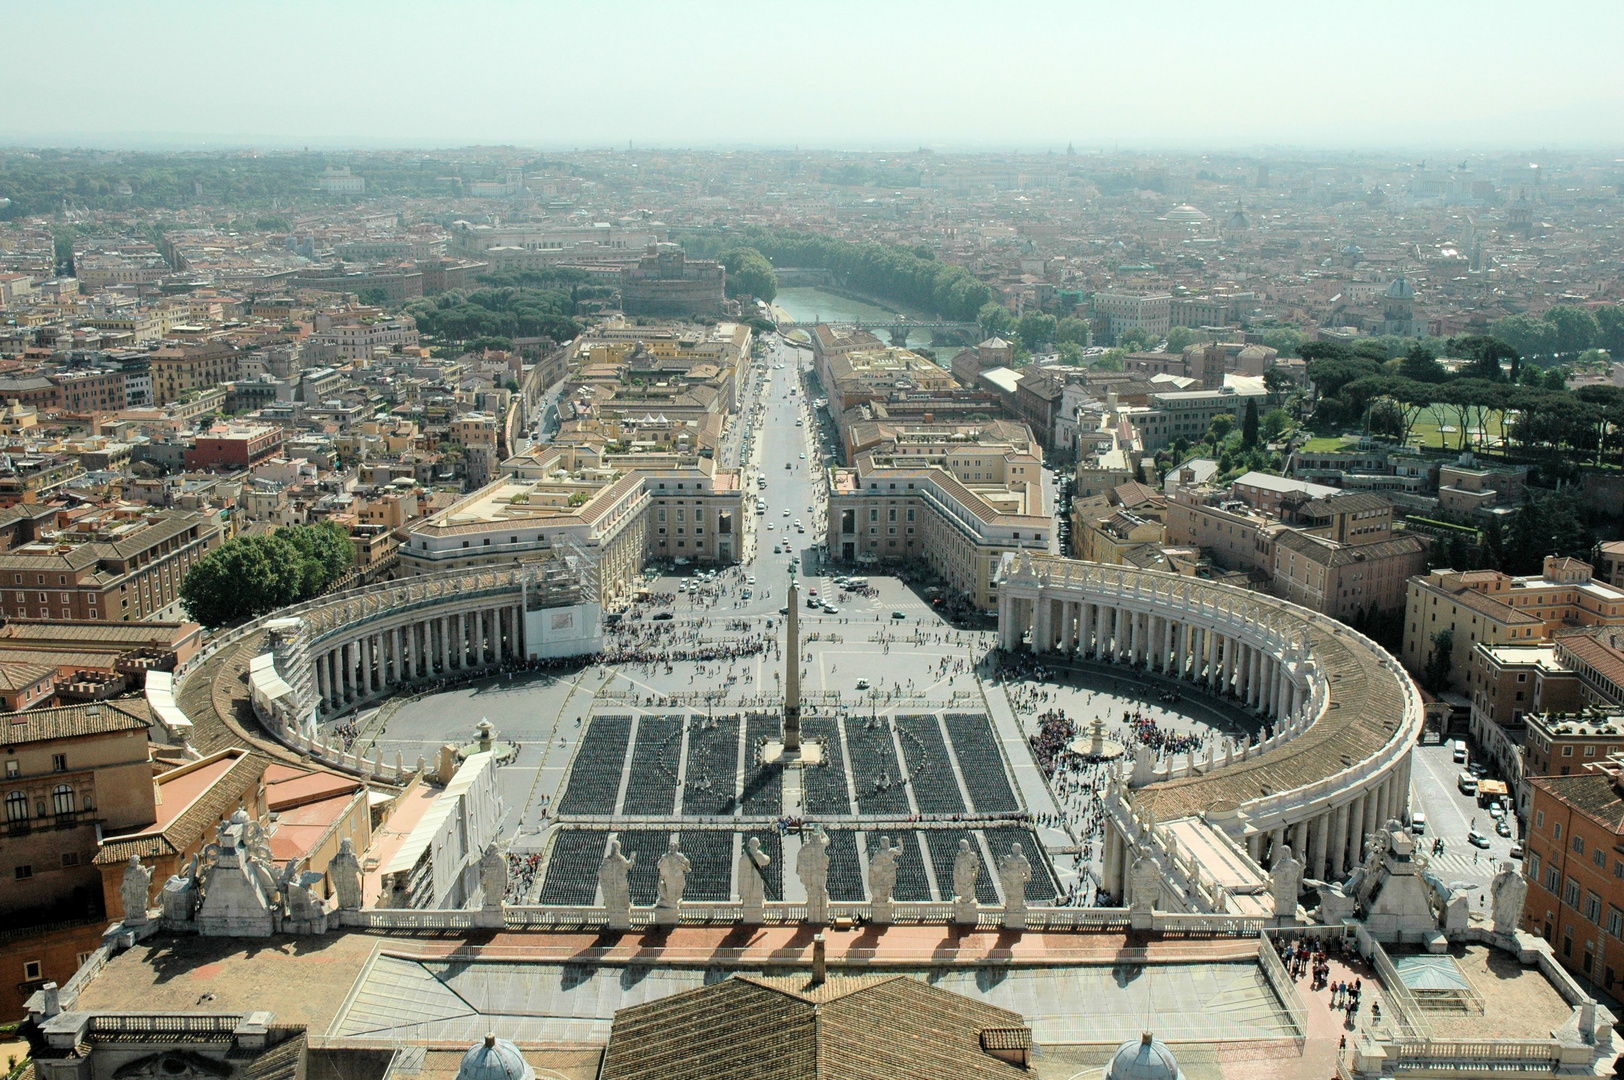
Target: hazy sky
x=815, y=73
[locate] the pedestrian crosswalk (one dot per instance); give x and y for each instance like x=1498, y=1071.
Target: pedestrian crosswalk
x=1460, y=865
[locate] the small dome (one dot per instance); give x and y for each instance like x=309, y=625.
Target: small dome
x=495, y=1059
x=1400, y=290
x=1147, y=1059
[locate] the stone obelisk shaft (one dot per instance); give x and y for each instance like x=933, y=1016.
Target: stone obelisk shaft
x=792, y=675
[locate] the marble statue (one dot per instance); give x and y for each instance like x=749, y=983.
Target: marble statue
x=812, y=867
x=966, y=869
x=753, y=863
x=613, y=879
x=134, y=891
x=1145, y=885
x=1507, y=892
x=673, y=870
x=493, y=875
x=303, y=912
x=1286, y=877
x=882, y=878
x=344, y=869
x=1014, y=871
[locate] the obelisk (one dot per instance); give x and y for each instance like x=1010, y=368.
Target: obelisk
x=792, y=676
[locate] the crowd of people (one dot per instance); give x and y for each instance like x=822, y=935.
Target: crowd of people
x=523, y=868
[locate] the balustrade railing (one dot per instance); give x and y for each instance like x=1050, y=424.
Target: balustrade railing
x=1285, y=988
x=1421, y=1053
x=164, y=1023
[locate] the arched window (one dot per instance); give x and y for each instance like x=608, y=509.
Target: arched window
x=16, y=806
x=62, y=797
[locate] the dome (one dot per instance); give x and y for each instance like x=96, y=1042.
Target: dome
x=495, y=1059
x=1147, y=1059
x=1186, y=213
x=1400, y=290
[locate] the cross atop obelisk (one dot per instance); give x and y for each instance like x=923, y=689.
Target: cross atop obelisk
x=792, y=673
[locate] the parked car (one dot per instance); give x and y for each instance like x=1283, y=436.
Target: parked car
x=1418, y=822
x=1477, y=839
x=899, y=615
x=1503, y=827
x=862, y=684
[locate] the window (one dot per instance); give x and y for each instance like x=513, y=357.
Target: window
x=59, y=763
x=1593, y=907
x=16, y=806
x=1567, y=751
x=24, y=872
x=12, y=768
x=1599, y=857
x=32, y=971
x=1557, y=830
x=62, y=799
x=1579, y=845
x=1570, y=895
x=1552, y=879
x=1615, y=922
x=70, y=858
x=1533, y=867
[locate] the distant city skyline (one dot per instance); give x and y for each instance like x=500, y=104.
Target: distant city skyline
x=1450, y=75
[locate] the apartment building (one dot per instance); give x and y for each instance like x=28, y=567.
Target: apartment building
x=1123, y=311
x=1574, y=866
x=957, y=509
x=91, y=391
x=1488, y=606
x=857, y=376
x=360, y=340
x=71, y=774
x=235, y=447
x=128, y=569
x=535, y=514
x=175, y=371
x=1344, y=580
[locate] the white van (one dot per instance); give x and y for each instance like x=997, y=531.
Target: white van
x=1460, y=751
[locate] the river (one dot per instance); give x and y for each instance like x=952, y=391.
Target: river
x=809, y=304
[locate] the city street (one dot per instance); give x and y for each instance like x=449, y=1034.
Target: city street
x=1449, y=815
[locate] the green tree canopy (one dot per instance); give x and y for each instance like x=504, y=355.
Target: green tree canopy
x=995, y=319
x=251, y=575
x=749, y=274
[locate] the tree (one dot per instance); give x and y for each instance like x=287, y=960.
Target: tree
x=1181, y=337
x=1275, y=422
x=243, y=577
x=1070, y=353
x=1419, y=364
x=1072, y=329
x=1284, y=339
x=251, y=575
x=1249, y=424
x=1440, y=662
x=1487, y=354
x=1610, y=329
x=1135, y=339
x=1331, y=373
x=1036, y=328
x=750, y=274
x=995, y=319
x=1573, y=329
x=1222, y=425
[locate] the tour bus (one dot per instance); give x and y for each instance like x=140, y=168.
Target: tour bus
x=1460, y=751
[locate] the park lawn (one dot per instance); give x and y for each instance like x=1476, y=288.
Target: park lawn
x=1324, y=444
x=1428, y=431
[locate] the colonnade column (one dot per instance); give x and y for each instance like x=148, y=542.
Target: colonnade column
x=1320, y=839
x=1339, y=843
x=321, y=681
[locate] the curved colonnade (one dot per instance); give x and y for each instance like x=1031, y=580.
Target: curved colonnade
x=1345, y=713
x=324, y=657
